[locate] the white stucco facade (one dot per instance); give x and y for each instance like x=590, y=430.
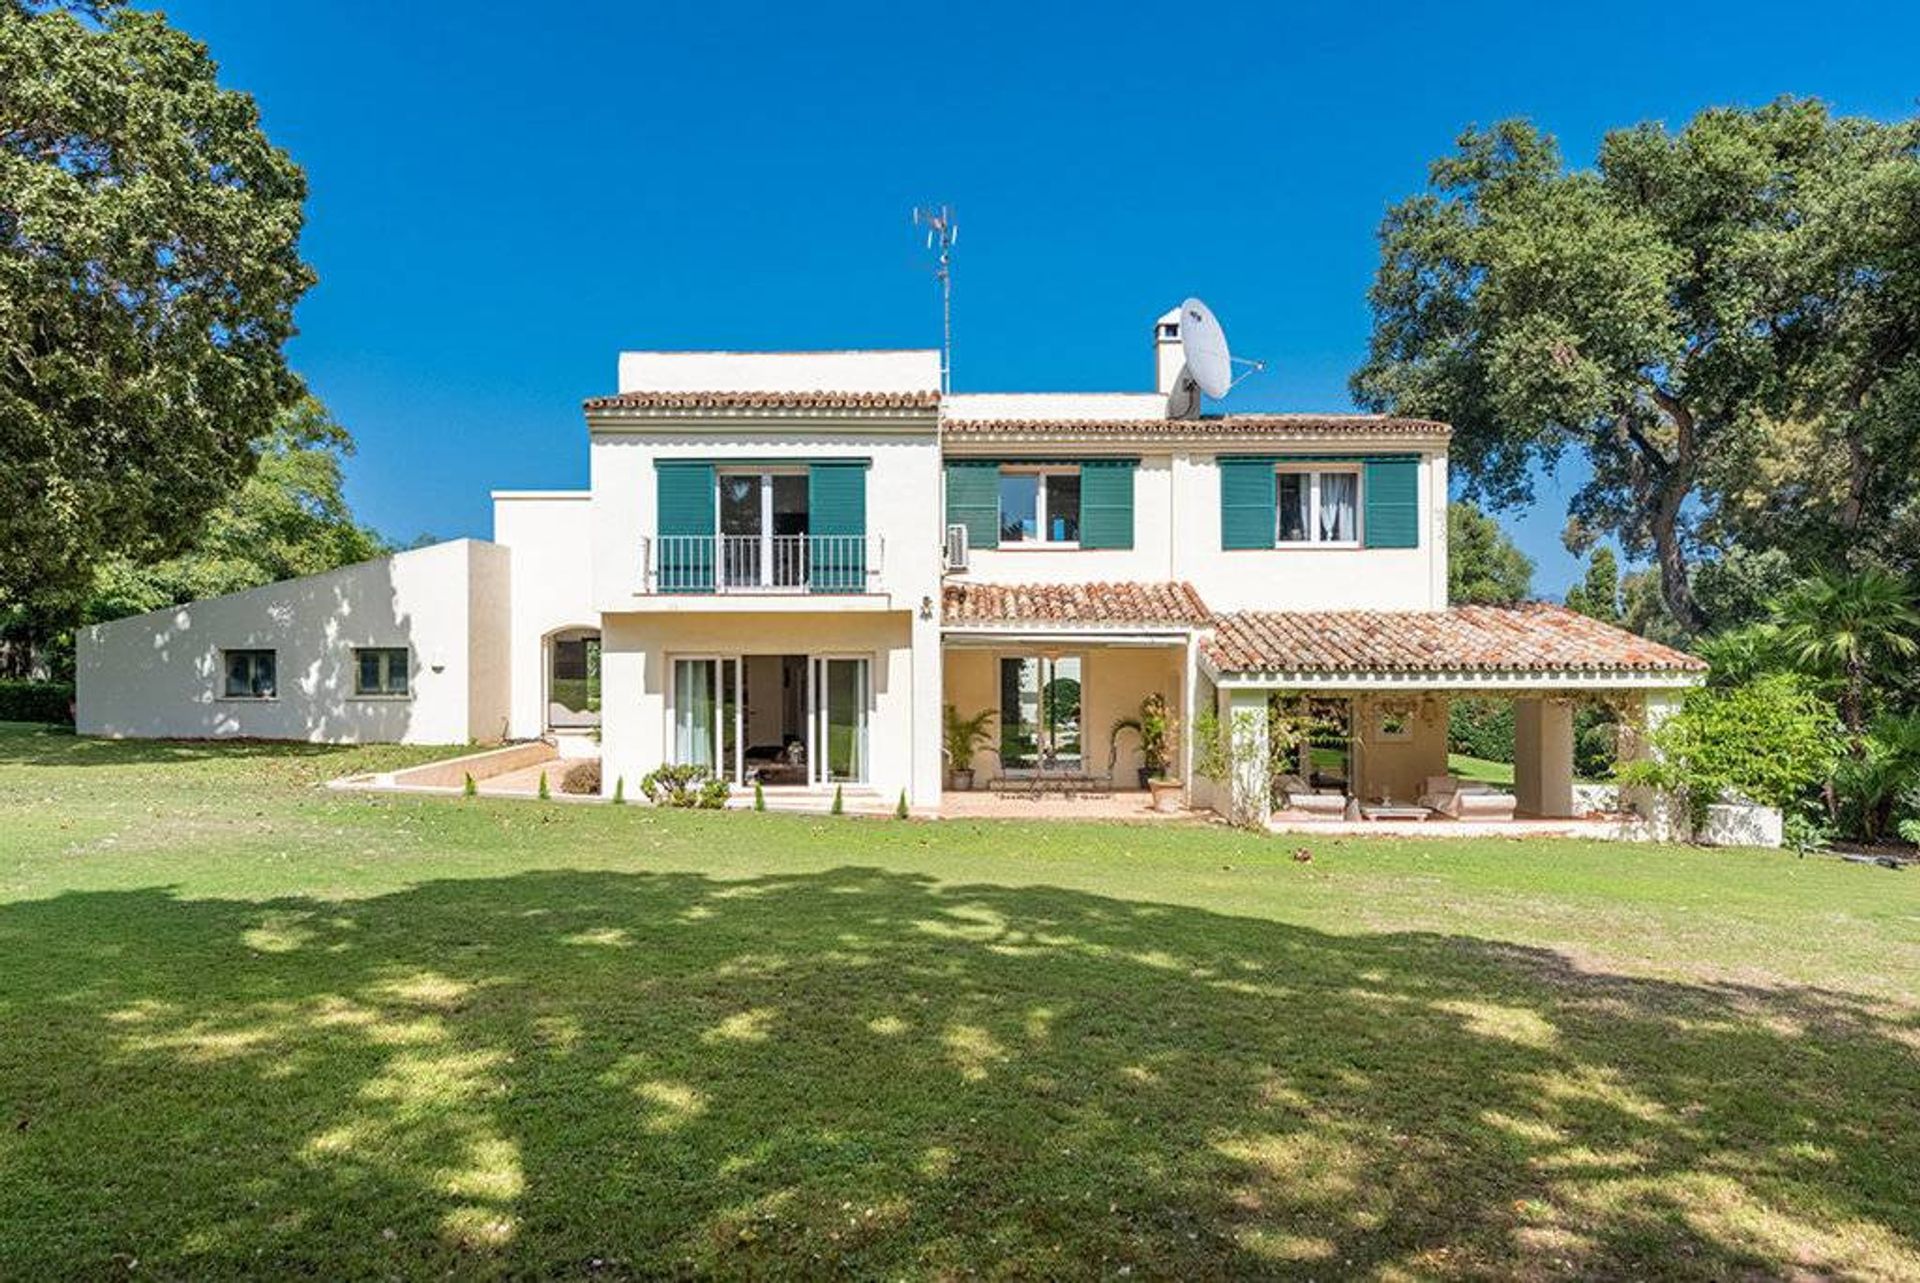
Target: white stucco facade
x=774, y=661
x=162, y=674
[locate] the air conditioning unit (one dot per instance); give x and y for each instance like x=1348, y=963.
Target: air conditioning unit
x=956, y=548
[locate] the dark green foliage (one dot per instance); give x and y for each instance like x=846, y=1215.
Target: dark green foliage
x=1598, y=595
x=36, y=702
x=1484, y=566
x=619, y=790
x=686, y=787
x=900, y=811
x=149, y=268
x=467, y=787
x=1596, y=742
x=839, y=806
x=759, y=796
x=1481, y=728
x=545, y=792
x=1723, y=318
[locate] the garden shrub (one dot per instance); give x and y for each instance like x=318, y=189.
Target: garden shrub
x=1769, y=741
x=619, y=790
x=545, y=792
x=467, y=787
x=759, y=796
x=582, y=777
x=1481, y=728
x=839, y=802
x=900, y=811
x=689, y=787
x=22, y=701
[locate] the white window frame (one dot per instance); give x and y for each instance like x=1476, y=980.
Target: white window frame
x=226, y=651
x=1315, y=471
x=763, y=475
x=1042, y=471
x=386, y=672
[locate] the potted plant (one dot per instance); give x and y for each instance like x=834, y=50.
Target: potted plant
x=965, y=736
x=1158, y=735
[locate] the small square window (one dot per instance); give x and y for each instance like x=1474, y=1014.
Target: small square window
x=380, y=670
x=250, y=674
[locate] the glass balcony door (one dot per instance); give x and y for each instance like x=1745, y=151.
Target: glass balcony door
x=763, y=530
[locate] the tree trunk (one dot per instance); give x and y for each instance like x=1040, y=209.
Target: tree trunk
x=1672, y=483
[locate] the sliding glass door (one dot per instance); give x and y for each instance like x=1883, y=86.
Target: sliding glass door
x=839, y=694
x=710, y=718
x=707, y=713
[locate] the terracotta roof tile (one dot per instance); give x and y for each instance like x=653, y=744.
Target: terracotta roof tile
x=1099, y=603
x=1530, y=637
x=766, y=401
x=1218, y=428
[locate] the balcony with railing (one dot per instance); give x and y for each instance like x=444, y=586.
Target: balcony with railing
x=761, y=564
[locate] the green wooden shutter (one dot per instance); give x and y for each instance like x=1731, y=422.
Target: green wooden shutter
x=1246, y=503
x=1392, y=503
x=1106, y=503
x=973, y=501
x=837, y=526
x=685, y=498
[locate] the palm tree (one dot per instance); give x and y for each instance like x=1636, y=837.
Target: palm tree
x=1846, y=624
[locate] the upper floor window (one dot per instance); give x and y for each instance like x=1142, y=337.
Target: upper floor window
x=1040, y=505
x=763, y=528
x=380, y=670
x=1317, y=506
x=250, y=674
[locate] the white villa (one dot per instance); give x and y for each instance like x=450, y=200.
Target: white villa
x=787, y=565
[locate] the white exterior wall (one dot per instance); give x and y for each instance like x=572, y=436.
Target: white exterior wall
x=1176, y=535
x=904, y=486
x=636, y=673
x=550, y=537
x=161, y=674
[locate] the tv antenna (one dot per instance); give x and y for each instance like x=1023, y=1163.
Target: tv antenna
x=1207, y=362
x=942, y=234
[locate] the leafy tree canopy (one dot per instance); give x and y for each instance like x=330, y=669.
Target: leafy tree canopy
x=1484, y=566
x=288, y=519
x=149, y=268
x=1598, y=595
x=1666, y=314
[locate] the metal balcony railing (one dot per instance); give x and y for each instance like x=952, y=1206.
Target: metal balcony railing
x=760, y=563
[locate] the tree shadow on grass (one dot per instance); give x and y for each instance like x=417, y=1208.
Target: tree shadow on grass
x=867, y=1072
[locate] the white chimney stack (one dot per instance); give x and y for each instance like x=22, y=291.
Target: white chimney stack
x=1168, y=359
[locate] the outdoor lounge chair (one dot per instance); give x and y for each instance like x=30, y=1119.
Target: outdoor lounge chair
x=1295, y=794
x=1459, y=799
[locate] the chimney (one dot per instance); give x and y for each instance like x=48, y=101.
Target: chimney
x=1167, y=358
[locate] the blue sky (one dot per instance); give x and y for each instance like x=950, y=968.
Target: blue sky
x=504, y=196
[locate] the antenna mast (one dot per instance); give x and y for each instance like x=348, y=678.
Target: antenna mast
x=942, y=233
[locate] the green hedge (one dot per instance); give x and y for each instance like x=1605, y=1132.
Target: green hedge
x=35, y=701
x=1481, y=728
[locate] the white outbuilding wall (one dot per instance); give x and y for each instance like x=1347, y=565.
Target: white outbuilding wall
x=162, y=674
x=550, y=536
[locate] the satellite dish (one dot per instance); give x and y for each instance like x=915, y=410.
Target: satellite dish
x=1203, y=344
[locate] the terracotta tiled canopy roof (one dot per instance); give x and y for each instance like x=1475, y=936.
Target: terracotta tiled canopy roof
x=1529, y=638
x=1221, y=428
x=766, y=401
x=1073, y=604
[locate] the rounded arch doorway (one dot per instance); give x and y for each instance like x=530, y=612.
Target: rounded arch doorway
x=573, y=679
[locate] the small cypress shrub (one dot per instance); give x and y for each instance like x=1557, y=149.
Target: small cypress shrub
x=839, y=802
x=900, y=807
x=759, y=797
x=469, y=788
x=545, y=792
x=619, y=790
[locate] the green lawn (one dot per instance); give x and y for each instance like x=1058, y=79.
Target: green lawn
x=1480, y=769
x=249, y=1027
